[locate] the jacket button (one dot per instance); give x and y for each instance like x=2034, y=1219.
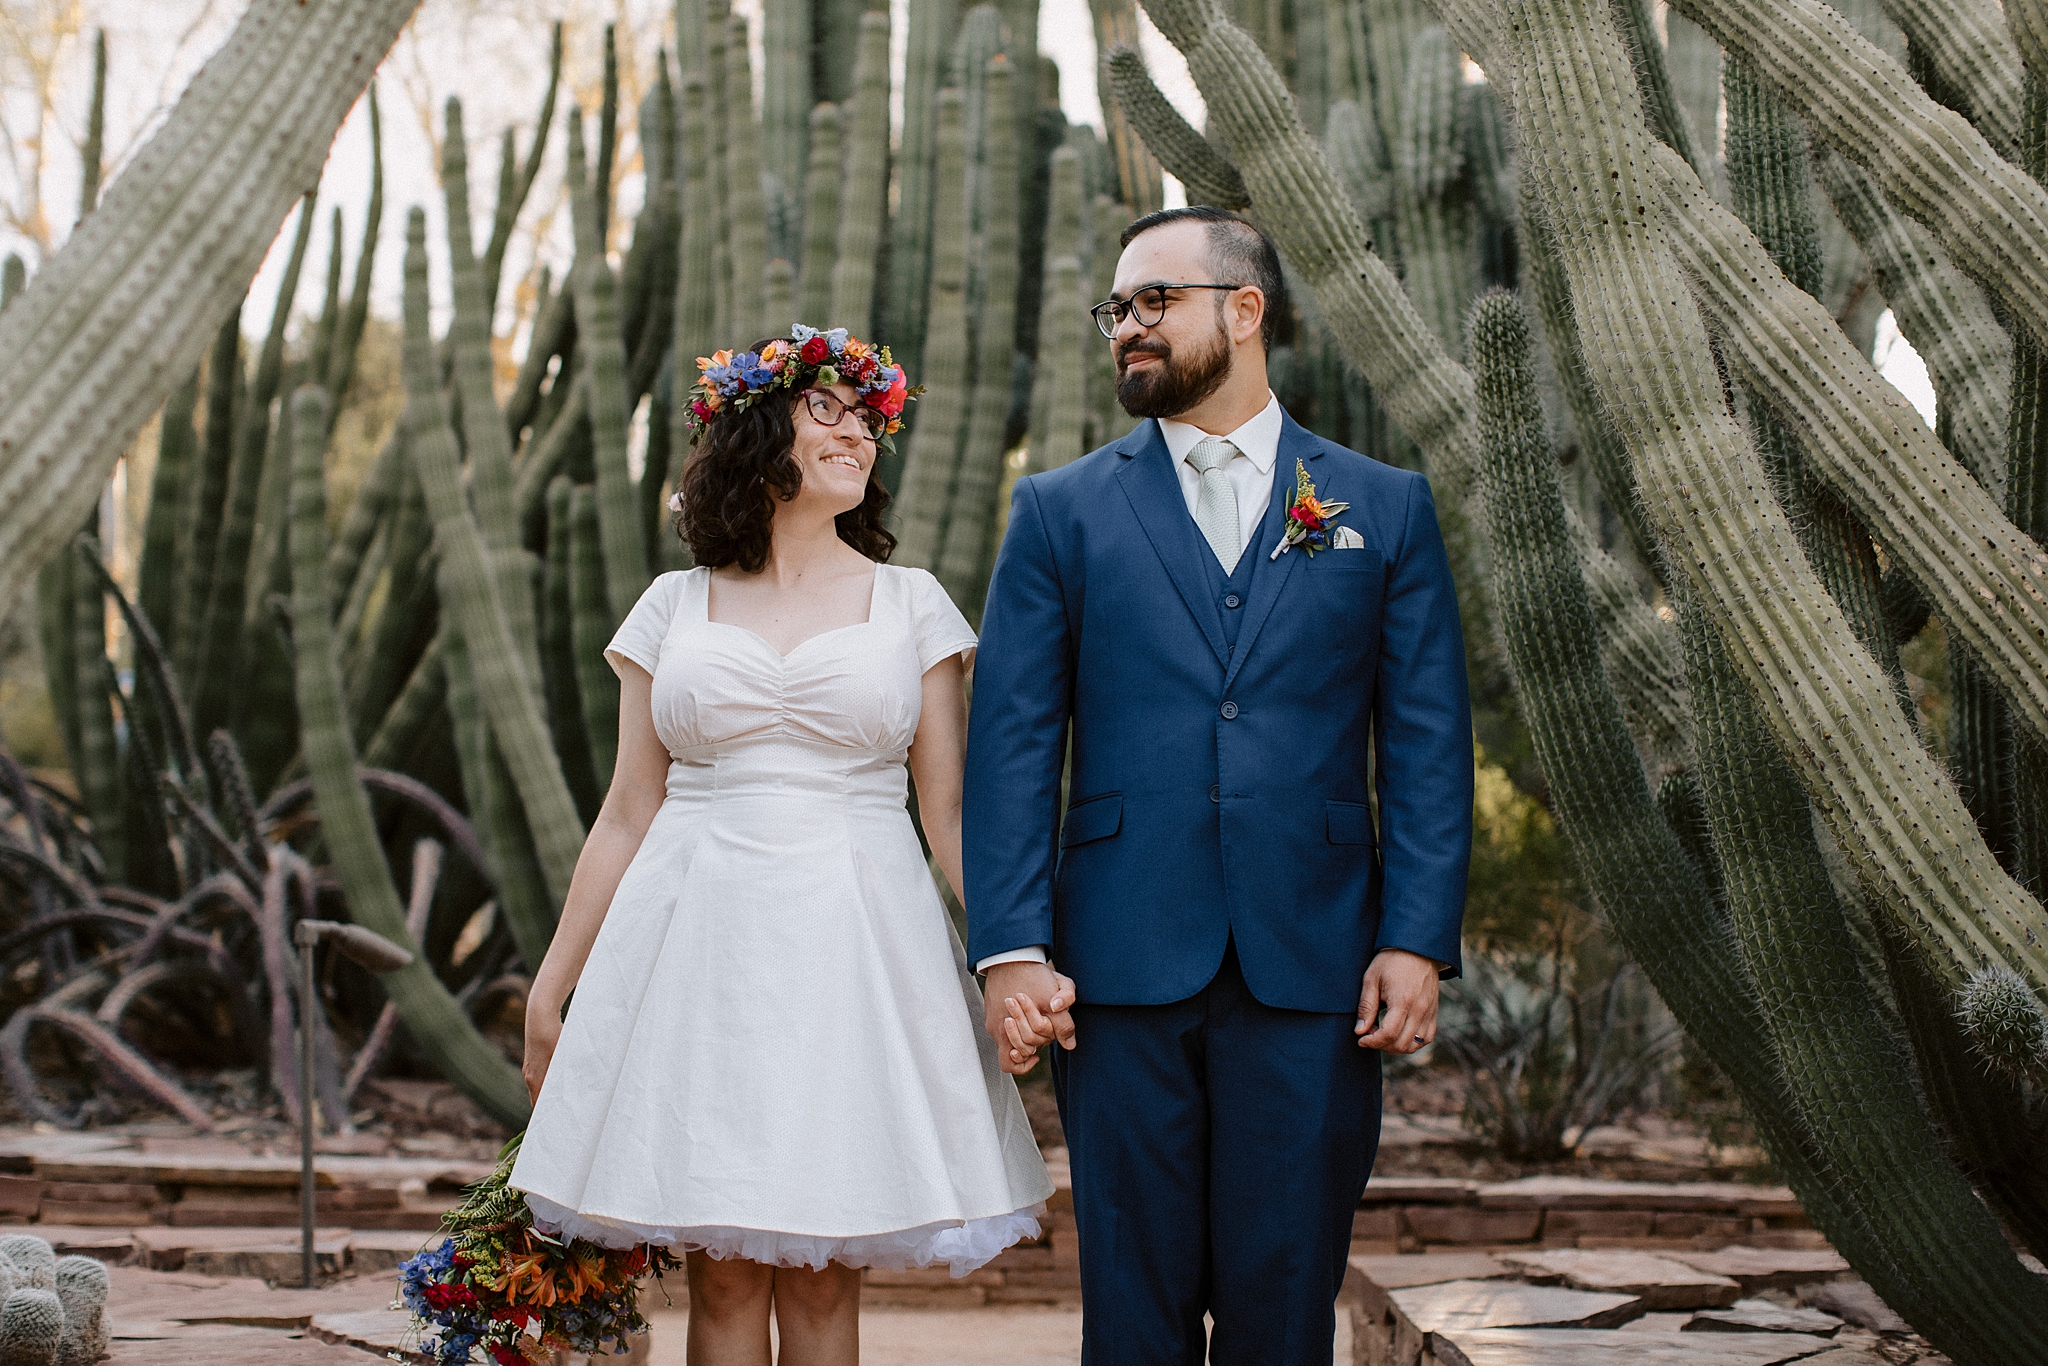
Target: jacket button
x=1230, y=711
x=1232, y=600
x=1216, y=794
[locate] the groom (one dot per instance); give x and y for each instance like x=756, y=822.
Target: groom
x=1261, y=841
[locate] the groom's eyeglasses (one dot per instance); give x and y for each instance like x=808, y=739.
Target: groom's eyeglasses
x=827, y=408
x=1148, y=303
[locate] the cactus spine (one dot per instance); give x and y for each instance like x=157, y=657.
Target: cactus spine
x=864, y=194
x=436, y=1022
x=963, y=560
x=934, y=444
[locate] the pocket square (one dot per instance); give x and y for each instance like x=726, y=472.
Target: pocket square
x=1346, y=538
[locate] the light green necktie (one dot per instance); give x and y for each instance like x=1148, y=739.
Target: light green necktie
x=1216, y=504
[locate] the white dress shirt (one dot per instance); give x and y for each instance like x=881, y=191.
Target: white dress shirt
x=1250, y=473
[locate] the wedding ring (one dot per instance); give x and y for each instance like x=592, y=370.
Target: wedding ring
x=1420, y=1039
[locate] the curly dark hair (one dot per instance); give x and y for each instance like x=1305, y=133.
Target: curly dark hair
x=742, y=466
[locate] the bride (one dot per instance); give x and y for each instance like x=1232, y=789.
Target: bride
x=774, y=1059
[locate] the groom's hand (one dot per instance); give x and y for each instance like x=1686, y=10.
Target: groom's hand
x=1025, y=1005
x=1406, y=984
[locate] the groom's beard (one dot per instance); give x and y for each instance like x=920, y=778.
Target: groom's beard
x=1174, y=385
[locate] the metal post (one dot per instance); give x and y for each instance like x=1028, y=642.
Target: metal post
x=308, y=1119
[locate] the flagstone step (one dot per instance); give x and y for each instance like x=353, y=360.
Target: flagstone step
x=1549, y=1307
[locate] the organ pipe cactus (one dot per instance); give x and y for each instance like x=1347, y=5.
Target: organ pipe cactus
x=178, y=236
x=821, y=215
x=603, y=353
x=864, y=192
x=1432, y=196
x=928, y=44
x=963, y=558
x=430, y=1013
x=934, y=444
x=508, y=699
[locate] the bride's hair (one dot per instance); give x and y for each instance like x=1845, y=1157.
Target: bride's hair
x=743, y=460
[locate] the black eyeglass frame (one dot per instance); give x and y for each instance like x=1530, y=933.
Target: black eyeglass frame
x=1107, y=322
x=872, y=418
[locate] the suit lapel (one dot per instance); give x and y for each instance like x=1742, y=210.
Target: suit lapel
x=1149, y=482
x=1270, y=576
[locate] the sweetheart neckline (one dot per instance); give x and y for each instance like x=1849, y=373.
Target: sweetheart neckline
x=785, y=658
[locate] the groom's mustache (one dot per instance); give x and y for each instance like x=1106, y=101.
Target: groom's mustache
x=1141, y=348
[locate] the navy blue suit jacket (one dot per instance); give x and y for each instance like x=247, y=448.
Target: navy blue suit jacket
x=1217, y=794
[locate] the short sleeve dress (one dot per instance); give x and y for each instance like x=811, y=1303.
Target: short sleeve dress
x=775, y=1049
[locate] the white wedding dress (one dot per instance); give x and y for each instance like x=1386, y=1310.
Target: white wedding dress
x=775, y=1049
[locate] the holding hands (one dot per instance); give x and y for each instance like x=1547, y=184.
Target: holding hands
x=1027, y=1006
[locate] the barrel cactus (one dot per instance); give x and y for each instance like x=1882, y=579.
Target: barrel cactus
x=32, y=1327
x=82, y=1285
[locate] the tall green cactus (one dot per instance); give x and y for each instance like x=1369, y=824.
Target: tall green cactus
x=864, y=193
x=934, y=442
x=1057, y=402
x=745, y=209
x=821, y=218
x=508, y=699
x=603, y=352
x=1431, y=193
x=928, y=47
x=591, y=627
x=437, y=1024
x=963, y=559
x=786, y=43
x=78, y=378
x=1818, y=1094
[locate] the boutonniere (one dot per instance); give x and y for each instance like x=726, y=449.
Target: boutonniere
x=1308, y=518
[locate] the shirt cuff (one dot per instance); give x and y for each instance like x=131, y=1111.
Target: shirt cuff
x=1034, y=954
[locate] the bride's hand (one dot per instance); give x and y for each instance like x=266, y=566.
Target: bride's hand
x=543, y=1032
x=1026, y=1028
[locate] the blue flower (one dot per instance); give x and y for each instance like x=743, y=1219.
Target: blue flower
x=800, y=334
x=760, y=377
x=836, y=339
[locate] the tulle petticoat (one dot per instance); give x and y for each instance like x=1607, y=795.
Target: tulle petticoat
x=961, y=1248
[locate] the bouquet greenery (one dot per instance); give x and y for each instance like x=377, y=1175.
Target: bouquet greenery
x=499, y=1283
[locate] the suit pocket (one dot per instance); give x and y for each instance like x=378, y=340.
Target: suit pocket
x=1350, y=822
x=1094, y=819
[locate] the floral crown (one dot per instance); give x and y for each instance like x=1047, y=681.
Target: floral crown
x=803, y=359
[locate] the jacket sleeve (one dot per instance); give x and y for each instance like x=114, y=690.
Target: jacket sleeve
x=1422, y=736
x=1016, y=742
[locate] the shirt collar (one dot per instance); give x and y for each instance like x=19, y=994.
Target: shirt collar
x=1258, y=438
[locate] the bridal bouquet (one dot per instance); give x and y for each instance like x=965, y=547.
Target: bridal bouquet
x=499, y=1283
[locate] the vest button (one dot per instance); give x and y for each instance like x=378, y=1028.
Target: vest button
x=1229, y=711
x=1232, y=600
x=1216, y=794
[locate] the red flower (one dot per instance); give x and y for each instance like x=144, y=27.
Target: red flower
x=815, y=350
x=702, y=409
x=449, y=1296
x=505, y=1356
x=1308, y=520
x=890, y=404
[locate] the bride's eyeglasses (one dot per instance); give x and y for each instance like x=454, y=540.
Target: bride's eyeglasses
x=827, y=408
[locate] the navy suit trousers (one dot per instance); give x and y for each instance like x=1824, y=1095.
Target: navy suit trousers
x=1219, y=1148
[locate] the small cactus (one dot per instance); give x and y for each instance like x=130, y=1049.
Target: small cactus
x=35, y=1264
x=82, y=1285
x=2006, y=1022
x=31, y=1328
